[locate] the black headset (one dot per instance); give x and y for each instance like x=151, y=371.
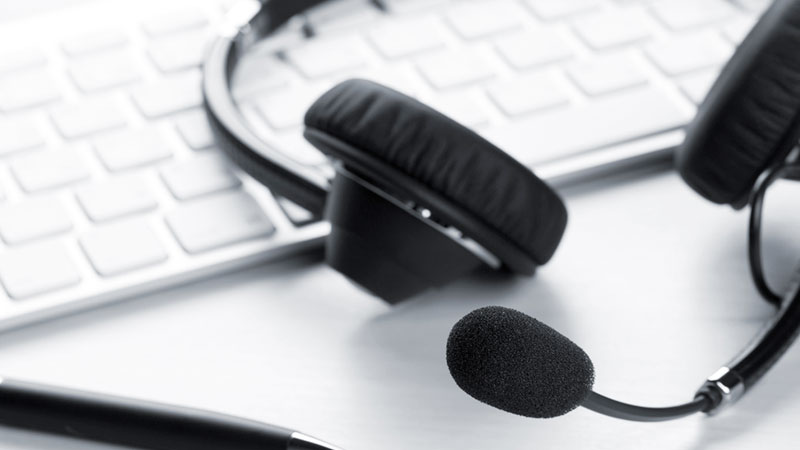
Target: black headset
x=419, y=200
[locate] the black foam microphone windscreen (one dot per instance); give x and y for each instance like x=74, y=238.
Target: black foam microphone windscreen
x=513, y=362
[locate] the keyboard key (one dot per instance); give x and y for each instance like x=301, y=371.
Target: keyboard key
x=132, y=148
x=683, y=54
x=27, y=89
x=287, y=107
x=467, y=109
x=198, y=176
x=49, y=169
x=218, y=221
x=37, y=269
x=558, y=9
x=534, y=48
x=606, y=74
x=195, y=130
x=484, y=18
x=116, y=198
x=256, y=77
x=526, y=94
x=18, y=135
x=405, y=37
x=92, y=116
x=697, y=85
x=169, y=95
x=341, y=15
x=174, y=21
x=452, y=69
x=683, y=14
x=319, y=58
x=95, y=41
x=180, y=52
x=612, y=29
x=103, y=71
x=32, y=219
x=122, y=247
x=402, y=78
x=607, y=120
x=22, y=58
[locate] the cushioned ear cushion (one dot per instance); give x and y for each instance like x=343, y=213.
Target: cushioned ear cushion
x=446, y=157
x=749, y=119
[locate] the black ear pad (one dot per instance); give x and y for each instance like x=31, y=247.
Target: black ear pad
x=380, y=124
x=750, y=118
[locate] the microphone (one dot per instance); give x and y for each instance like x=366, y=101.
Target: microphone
x=515, y=363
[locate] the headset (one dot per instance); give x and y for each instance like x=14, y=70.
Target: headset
x=419, y=200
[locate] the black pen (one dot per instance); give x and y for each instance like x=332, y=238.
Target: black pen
x=141, y=424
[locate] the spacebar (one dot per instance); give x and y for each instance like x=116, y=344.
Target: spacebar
x=601, y=123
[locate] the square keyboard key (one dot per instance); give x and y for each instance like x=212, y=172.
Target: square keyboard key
x=33, y=218
x=195, y=130
x=318, y=58
x=91, y=116
x=218, y=221
x=175, y=20
x=37, y=269
x=49, y=169
x=612, y=29
x=480, y=19
x=690, y=52
x=466, y=108
x=18, y=135
x=116, y=198
x=683, y=14
x=169, y=95
x=202, y=175
x=21, y=58
x=179, y=52
x=559, y=9
x=94, y=41
x=606, y=74
x=535, y=47
x=405, y=37
x=452, y=69
x=94, y=73
x=528, y=94
x=122, y=247
x=132, y=148
x=27, y=89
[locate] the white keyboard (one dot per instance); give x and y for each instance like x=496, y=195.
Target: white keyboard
x=110, y=185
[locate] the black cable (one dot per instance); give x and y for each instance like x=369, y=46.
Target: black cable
x=609, y=407
x=754, y=235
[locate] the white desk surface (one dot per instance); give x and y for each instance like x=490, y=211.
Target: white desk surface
x=651, y=281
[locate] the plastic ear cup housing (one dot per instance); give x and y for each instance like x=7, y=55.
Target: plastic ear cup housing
x=387, y=247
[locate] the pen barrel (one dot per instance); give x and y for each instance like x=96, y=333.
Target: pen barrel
x=131, y=423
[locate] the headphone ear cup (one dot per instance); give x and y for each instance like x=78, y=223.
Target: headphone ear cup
x=421, y=156
x=750, y=119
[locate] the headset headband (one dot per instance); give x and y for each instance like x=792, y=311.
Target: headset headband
x=246, y=24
